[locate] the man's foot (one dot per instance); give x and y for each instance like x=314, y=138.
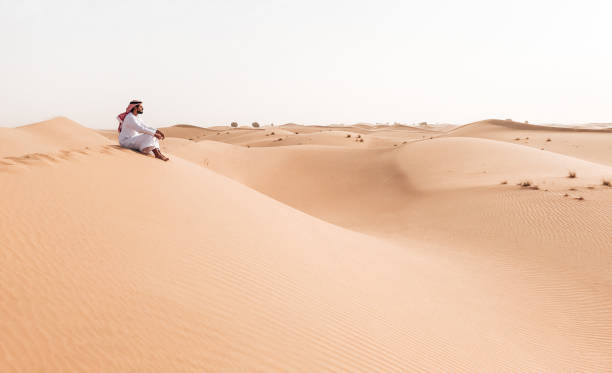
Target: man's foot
x=159, y=155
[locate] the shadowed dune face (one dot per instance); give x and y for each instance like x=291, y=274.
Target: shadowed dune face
x=404, y=254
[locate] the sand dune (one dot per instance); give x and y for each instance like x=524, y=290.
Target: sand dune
x=585, y=143
x=404, y=254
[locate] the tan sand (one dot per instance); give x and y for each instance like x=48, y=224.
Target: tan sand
x=400, y=253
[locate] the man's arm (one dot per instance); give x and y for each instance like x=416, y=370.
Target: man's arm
x=157, y=133
x=131, y=122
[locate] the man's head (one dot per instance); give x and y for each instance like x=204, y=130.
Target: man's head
x=137, y=109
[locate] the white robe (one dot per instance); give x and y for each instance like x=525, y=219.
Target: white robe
x=137, y=135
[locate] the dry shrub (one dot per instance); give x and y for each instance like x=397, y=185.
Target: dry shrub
x=548, y=140
x=234, y=124
x=349, y=135
x=571, y=174
x=255, y=125
x=605, y=182
x=580, y=198
x=504, y=182
x=517, y=139
x=525, y=183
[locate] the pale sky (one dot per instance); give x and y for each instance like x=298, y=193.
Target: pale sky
x=310, y=62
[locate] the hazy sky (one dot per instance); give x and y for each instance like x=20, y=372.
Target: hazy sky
x=311, y=62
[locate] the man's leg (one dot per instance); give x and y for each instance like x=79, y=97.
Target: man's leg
x=148, y=149
x=159, y=155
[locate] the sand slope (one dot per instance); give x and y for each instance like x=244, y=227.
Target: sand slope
x=586, y=143
x=114, y=261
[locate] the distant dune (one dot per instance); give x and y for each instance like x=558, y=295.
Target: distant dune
x=296, y=248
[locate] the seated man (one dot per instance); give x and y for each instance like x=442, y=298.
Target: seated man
x=134, y=134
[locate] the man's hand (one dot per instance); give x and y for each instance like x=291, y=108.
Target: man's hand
x=159, y=135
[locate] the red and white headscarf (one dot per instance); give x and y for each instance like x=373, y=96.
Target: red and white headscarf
x=128, y=109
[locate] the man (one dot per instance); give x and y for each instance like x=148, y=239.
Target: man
x=134, y=134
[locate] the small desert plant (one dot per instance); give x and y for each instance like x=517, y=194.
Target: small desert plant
x=504, y=182
x=255, y=125
x=525, y=183
x=272, y=133
x=517, y=139
x=566, y=195
x=358, y=136
x=360, y=140
x=580, y=198
x=526, y=138
x=234, y=124
x=349, y=135
x=571, y=174
x=605, y=182
x=548, y=140
x=572, y=189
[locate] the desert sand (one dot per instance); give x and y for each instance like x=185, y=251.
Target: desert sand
x=295, y=248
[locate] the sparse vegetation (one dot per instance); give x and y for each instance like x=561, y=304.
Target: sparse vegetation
x=580, y=198
x=349, y=135
x=517, y=139
x=571, y=174
x=528, y=185
x=566, y=195
x=504, y=182
x=548, y=140
x=572, y=189
x=272, y=133
x=605, y=182
x=255, y=125
x=234, y=124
